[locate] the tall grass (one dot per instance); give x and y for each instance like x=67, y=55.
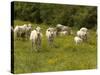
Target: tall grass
x=64, y=56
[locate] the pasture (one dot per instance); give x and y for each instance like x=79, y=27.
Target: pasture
x=64, y=56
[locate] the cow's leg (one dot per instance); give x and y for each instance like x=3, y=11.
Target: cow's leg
x=52, y=44
x=39, y=45
x=32, y=44
x=35, y=47
x=49, y=42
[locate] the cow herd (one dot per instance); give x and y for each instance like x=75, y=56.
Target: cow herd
x=22, y=31
x=27, y=33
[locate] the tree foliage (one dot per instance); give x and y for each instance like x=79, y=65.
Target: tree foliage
x=70, y=15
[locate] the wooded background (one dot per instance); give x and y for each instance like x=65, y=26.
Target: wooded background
x=52, y=14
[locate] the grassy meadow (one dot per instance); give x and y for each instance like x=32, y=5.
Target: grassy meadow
x=63, y=57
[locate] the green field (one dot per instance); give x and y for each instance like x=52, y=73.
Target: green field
x=63, y=57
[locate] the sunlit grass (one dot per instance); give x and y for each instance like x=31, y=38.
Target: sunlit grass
x=64, y=56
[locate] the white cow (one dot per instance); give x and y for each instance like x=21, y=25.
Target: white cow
x=36, y=38
x=59, y=25
x=84, y=29
x=78, y=40
x=17, y=32
x=20, y=31
x=28, y=30
x=82, y=35
x=50, y=34
x=63, y=33
x=60, y=28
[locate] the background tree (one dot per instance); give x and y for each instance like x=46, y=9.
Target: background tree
x=52, y=14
